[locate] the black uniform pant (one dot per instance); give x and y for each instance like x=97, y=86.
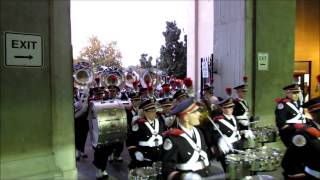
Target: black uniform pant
x=292, y=163
x=81, y=128
x=101, y=154
x=118, y=148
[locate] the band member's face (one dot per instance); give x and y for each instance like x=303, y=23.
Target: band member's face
x=166, y=108
x=241, y=94
x=135, y=102
x=99, y=96
x=113, y=93
x=193, y=117
x=293, y=95
x=208, y=93
x=227, y=110
x=150, y=114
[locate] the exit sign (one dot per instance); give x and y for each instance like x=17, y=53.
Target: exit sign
x=23, y=49
x=263, y=61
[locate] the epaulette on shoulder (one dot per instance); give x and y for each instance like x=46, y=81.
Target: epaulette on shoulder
x=140, y=121
x=173, y=132
x=217, y=118
x=286, y=100
x=282, y=100
x=236, y=100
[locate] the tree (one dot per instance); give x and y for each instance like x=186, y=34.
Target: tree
x=173, y=55
x=99, y=54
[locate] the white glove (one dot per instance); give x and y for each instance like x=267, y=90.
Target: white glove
x=139, y=156
x=248, y=134
x=244, y=122
x=191, y=176
x=224, y=146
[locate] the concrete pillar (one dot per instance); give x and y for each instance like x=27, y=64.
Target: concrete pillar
x=274, y=34
x=36, y=108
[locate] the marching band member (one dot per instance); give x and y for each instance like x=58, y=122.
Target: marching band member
x=188, y=86
x=179, y=96
x=146, y=142
x=101, y=151
x=166, y=105
x=81, y=126
x=289, y=113
x=185, y=150
x=132, y=115
x=241, y=108
x=302, y=158
x=223, y=131
x=210, y=101
x=118, y=147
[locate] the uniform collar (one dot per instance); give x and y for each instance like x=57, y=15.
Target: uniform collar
x=187, y=131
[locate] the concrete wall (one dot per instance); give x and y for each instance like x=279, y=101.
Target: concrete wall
x=36, y=110
x=307, y=34
x=229, y=44
x=275, y=33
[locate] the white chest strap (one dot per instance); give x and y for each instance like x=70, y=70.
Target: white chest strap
x=155, y=139
x=299, y=118
x=193, y=163
x=235, y=136
x=244, y=116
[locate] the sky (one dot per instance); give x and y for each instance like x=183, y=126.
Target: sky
x=137, y=26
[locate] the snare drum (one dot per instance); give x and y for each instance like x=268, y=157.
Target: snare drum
x=146, y=173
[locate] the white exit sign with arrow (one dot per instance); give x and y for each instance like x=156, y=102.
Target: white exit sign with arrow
x=23, y=49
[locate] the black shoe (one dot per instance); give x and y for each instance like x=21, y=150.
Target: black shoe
x=118, y=159
x=77, y=158
x=103, y=177
x=84, y=155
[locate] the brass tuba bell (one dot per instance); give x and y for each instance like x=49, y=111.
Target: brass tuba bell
x=113, y=76
x=82, y=74
x=150, y=77
x=131, y=76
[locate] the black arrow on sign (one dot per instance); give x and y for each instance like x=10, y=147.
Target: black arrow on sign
x=28, y=57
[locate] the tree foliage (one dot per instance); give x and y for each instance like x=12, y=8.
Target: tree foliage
x=99, y=54
x=173, y=55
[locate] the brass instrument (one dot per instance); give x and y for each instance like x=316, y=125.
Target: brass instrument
x=113, y=76
x=150, y=77
x=82, y=74
x=130, y=77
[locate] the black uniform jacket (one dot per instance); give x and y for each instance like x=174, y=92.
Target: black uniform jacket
x=141, y=133
x=240, y=108
x=286, y=114
x=177, y=150
x=302, y=151
x=130, y=114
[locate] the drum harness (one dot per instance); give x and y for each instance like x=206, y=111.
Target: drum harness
x=224, y=137
x=193, y=163
x=299, y=118
x=245, y=116
x=235, y=136
x=155, y=140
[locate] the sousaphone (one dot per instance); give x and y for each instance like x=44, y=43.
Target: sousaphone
x=82, y=74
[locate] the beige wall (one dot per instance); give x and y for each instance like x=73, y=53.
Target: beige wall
x=307, y=37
